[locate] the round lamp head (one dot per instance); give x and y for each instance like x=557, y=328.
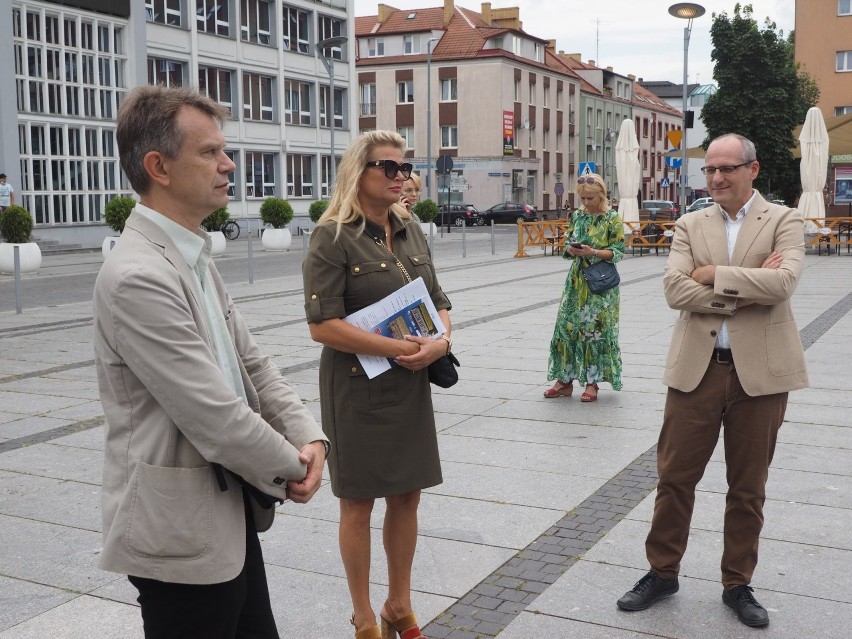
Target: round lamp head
x=687, y=10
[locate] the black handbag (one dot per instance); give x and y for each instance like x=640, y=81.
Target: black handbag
x=442, y=372
x=601, y=276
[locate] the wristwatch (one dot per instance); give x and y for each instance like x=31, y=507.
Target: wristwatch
x=449, y=341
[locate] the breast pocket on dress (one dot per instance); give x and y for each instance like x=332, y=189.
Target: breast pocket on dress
x=422, y=263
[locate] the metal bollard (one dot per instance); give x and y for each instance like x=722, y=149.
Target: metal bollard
x=432, y=239
x=16, y=252
x=304, y=245
x=250, y=252
x=493, y=245
x=464, y=238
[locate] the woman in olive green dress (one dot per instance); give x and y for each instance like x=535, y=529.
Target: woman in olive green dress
x=382, y=430
x=585, y=339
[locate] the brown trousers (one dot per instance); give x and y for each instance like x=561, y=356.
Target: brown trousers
x=691, y=424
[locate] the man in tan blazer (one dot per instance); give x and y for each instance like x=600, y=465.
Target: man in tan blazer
x=734, y=355
x=197, y=418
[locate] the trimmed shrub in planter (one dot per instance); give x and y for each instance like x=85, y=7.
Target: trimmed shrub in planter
x=116, y=212
x=216, y=220
x=426, y=210
x=278, y=213
x=316, y=210
x=16, y=225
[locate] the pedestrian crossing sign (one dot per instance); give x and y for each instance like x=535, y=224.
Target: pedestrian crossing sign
x=586, y=168
x=664, y=183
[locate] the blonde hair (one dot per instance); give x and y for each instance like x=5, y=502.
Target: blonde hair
x=416, y=181
x=598, y=187
x=344, y=206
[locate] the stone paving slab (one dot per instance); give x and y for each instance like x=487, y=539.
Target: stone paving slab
x=59, y=462
x=71, y=503
x=588, y=592
x=84, y=616
x=23, y=600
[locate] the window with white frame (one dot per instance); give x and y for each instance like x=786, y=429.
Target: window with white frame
x=516, y=45
x=339, y=101
x=163, y=12
x=539, y=52
x=297, y=102
x=368, y=99
x=449, y=137
x=842, y=110
x=300, y=175
x=211, y=16
x=375, y=47
x=256, y=21
x=405, y=92
x=517, y=90
x=295, y=34
x=449, y=90
x=844, y=61
x=325, y=174
x=232, y=175
x=407, y=134
x=216, y=84
x=844, y=7
x=331, y=28
x=167, y=73
x=410, y=44
x=545, y=97
x=532, y=92
x=260, y=174
x=559, y=96
x=257, y=97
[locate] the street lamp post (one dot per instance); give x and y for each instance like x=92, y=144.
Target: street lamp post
x=328, y=63
x=687, y=11
x=429, y=118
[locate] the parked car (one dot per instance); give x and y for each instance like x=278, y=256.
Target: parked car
x=662, y=207
x=511, y=212
x=460, y=214
x=700, y=203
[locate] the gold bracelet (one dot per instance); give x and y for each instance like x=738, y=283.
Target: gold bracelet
x=449, y=341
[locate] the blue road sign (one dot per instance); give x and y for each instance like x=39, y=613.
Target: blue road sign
x=673, y=161
x=587, y=168
x=664, y=183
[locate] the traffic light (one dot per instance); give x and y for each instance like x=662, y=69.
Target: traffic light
x=690, y=119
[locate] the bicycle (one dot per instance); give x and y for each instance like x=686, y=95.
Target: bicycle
x=231, y=229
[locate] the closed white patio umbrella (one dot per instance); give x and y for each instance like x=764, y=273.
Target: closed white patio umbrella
x=628, y=171
x=813, y=141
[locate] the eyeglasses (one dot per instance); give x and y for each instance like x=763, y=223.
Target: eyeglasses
x=392, y=168
x=724, y=170
x=585, y=180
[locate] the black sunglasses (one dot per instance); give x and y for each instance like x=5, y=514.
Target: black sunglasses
x=392, y=168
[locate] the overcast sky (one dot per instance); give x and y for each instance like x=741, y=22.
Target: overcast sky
x=636, y=37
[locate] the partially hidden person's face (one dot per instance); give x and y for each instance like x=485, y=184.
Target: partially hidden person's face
x=591, y=200
x=198, y=177
x=376, y=189
x=410, y=194
x=730, y=190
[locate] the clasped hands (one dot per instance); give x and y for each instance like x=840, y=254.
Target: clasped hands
x=313, y=455
x=419, y=352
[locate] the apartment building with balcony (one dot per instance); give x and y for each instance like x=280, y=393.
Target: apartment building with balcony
x=502, y=106
x=823, y=48
x=74, y=60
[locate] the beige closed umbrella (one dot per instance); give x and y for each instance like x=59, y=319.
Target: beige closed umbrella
x=628, y=171
x=813, y=142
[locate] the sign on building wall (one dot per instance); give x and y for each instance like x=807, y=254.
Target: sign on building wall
x=508, y=132
x=843, y=185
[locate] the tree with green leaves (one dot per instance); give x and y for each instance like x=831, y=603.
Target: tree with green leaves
x=762, y=95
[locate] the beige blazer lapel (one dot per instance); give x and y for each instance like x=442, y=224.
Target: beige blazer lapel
x=715, y=235
x=755, y=220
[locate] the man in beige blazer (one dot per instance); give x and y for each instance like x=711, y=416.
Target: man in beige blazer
x=734, y=355
x=193, y=409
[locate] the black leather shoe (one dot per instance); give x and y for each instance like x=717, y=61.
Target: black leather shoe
x=647, y=592
x=749, y=611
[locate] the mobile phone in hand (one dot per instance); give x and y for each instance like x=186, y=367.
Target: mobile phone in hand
x=575, y=245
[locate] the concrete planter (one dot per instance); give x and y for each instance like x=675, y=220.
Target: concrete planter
x=276, y=239
x=219, y=242
x=428, y=225
x=30, y=257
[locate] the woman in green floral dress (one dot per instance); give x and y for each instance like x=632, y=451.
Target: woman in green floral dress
x=585, y=339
